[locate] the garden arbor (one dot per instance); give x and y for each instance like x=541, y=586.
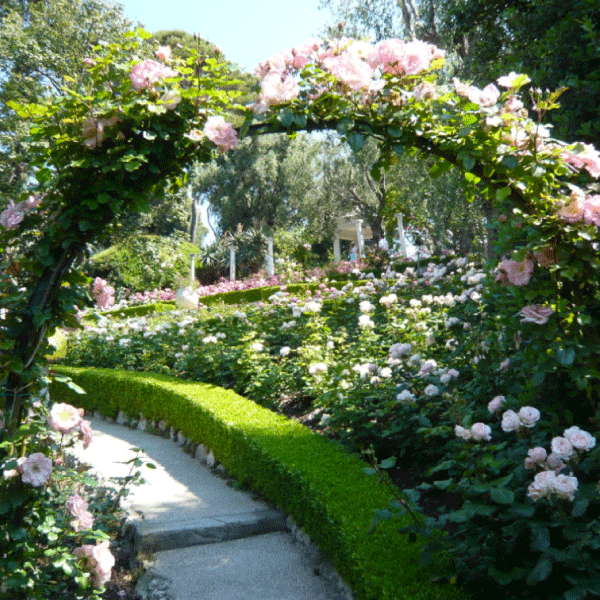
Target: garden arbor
x=137, y=123
x=98, y=152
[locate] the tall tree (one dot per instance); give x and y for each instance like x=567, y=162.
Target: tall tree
x=42, y=45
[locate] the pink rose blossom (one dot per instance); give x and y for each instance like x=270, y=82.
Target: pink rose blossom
x=513, y=104
x=403, y=58
x=481, y=432
x=12, y=216
x=276, y=88
x=542, y=486
x=64, y=418
x=587, y=157
x=147, y=73
x=535, y=456
x=350, y=69
x=536, y=313
x=163, y=53
x=78, y=508
x=97, y=560
x=580, y=439
x=85, y=432
x=565, y=486
x=518, y=272
x=573, y=212
x=510, y=421
x=555, y=462
x=36, y=469
x=221, y=133
x=591, y=210
x=562, y=448
x=529, y=416
x=462, y=432
x=496, y=403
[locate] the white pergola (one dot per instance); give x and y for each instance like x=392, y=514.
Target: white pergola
x=350, y=228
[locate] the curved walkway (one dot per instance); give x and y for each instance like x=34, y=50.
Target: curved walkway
x=200, y=538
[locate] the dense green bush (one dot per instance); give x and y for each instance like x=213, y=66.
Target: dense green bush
x=143, y=263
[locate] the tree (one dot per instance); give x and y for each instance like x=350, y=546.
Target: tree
x=42, y=47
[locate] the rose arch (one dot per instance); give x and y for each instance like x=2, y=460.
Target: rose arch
x=137, y=123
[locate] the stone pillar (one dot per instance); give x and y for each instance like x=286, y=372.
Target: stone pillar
x=270, y=261
x=232, y=250
x=193, y=267
x=359, y=239
x=337, y=251
x=401, y=237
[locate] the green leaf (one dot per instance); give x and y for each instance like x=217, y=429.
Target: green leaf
x=344, y=126
x=510, y=162
x=388, y=463
x=566, y=356
x=369, y=471
x=468, y=162
x=540, y=538
x=443, y=484
x=503, y=193
x=356, y=141
x=286, y=117
x=579, y=508
x=395, y=131
x=540, y=572
x=502, y=495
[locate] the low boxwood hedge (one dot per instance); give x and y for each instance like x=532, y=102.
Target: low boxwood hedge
x=309, y=477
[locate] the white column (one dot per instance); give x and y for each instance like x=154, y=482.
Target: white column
x=232, y=250
x=270, y=261
x=337, y=250
x=359, y=239
x=401, y=237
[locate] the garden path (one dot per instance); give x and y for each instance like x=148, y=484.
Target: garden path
x=201, y=538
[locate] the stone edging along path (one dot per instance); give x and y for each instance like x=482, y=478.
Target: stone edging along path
x=308, y=477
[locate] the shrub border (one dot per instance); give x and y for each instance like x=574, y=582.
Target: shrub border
x=309, y=477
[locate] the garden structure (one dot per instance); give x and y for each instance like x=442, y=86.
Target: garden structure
x=133, y=127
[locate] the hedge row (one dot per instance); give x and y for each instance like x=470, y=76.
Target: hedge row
x=309, y=477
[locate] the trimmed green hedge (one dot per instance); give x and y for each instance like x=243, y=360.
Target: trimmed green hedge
x=134, y=311
x=311, y=478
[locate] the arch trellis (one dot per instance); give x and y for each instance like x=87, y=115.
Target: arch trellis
x=135, y=124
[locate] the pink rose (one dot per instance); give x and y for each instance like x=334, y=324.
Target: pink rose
x=64, y=418
x=536, y=313
x=555, y=462
x=562, y=448
x=586, y=157
x=581, y=440
x=542, y=486
x=591, y=210
x=147, y=73
x=510, y=421
x=565, y=486
x=221, y=133
x=36, y=469
x=78, y=508
x=85, y=432
x=163, y=53
x=518, y=272
x=528, y=415
x=462, y=432
x=481, y=432
x=496, y=403
x=98, y=560
x=12, y=216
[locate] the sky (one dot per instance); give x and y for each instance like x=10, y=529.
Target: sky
x=246, y=31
